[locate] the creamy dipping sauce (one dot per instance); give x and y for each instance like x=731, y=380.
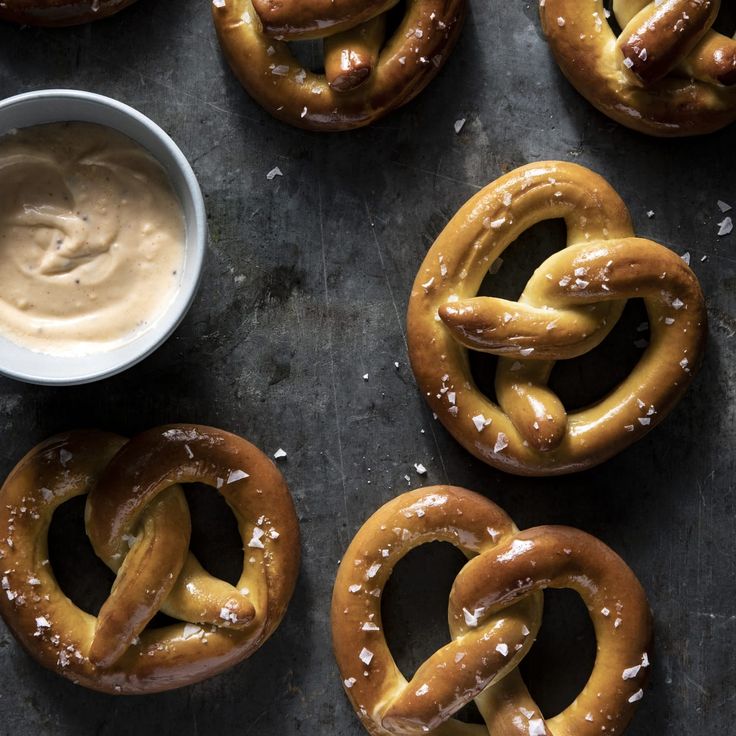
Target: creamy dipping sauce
x=91, y=239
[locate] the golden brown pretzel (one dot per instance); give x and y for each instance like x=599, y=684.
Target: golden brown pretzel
x=59, y=12
x=570, y=304
x=668, y=73
x=364, y=78
x=138, y=522
x=494, y=615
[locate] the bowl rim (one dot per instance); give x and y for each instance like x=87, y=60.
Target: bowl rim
x=195, y=240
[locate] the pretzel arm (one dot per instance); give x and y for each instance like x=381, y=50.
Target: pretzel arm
x=659, y=36
x=291, y=20
x=518, y=330
x=712, y=60
x=137, y=594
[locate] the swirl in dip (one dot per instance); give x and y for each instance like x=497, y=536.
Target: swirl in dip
x=91, y=239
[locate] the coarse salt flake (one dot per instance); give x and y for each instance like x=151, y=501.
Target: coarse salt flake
x=365, y=656
x=236, y=475
x=480, y=422
x=471, y=619
x=255, y=541
x=536, y=727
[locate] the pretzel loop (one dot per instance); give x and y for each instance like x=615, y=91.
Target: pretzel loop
x=364, y=77
x=668, y=73
x=494, y=615
x=568, y=307
x=139, y=525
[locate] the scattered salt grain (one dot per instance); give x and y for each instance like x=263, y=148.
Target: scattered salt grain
x=725, y=226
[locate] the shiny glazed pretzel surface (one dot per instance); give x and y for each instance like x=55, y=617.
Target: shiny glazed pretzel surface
x=59, y=12
x=569, y=306
x=669, y=73
x=138, y=522
x=494, y=614
x=366, y=75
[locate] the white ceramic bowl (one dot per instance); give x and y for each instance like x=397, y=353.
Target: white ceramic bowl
x=60, y=105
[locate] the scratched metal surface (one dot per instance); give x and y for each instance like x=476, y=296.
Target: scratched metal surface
x=305, y=290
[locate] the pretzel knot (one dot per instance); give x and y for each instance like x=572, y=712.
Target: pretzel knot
x=365, y=74
x=669, y=73
x=569, y=306
x=494, y=614
x=138, y=522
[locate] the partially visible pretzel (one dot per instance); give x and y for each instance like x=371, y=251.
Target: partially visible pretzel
x=139, y=525
x=569, y=306
x=365, y=77
x=59, y=12
x=668, y=73
x=494, y=615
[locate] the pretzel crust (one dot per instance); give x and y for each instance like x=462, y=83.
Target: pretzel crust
x=568, y=307
x=59, y=12
x=494, y=614
x=671, y=87
x=276, y=80
x=138, y=522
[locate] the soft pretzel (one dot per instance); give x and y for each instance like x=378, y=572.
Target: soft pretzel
x=569, y=306
x=59, y=12
x=365, y=77
x=494, y=614
x=668, y=73
x=138, y=522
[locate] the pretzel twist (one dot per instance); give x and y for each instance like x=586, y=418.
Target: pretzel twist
x=138, y=522
x=364, y=78
x=494, y=614
x=668, y=73
x=59, y=12
x=569, y=306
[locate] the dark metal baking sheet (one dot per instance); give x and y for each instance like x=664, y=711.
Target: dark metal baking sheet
x=305, y=290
